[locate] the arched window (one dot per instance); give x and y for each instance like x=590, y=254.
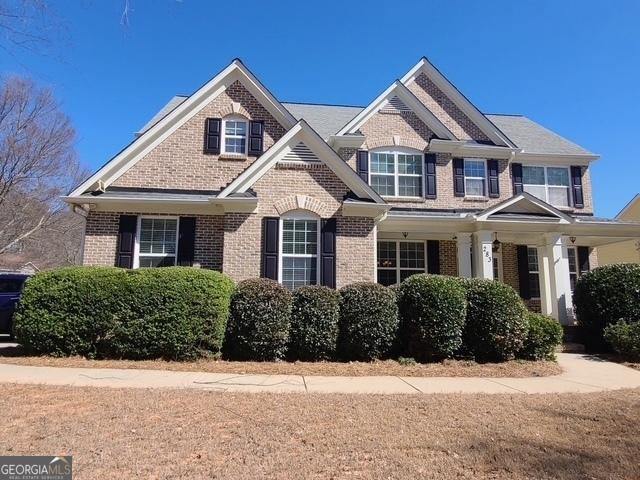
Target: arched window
x=397, y=172
x=299, y=244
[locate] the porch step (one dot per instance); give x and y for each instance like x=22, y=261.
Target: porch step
x=569, y=347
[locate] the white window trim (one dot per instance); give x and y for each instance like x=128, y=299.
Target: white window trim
x=546, y=184
x=497, y=256
x=485, y=179
x=398, y=268
x=298, y=216
x=136, y=250
x=537, y=272
x=223, y=135
x=574, y=251
x=396, y=176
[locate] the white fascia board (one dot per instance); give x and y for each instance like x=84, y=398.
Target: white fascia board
x=364, y=209
x=137, y=200
x=346, y=141
x=402, y=92
x=301, y=132
x=484, y=215
x=465, y=149
x=146, y=142
x=463, y=103
x=563, y=159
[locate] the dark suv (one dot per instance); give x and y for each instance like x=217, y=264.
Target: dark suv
x=10, y=288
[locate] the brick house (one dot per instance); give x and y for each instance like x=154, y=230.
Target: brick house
x=230, y=178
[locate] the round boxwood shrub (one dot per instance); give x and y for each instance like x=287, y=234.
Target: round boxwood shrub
x=368, y=321
x=604, y=296
x=432, y=316
x=103, y=312
x=496, y=325
x=624, y=338
x=543, y=336
x=314, y=323
x=259, y=320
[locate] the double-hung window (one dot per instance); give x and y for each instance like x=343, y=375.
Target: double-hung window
x=398, y=260
x=157, y=241
x=396, y=173
x=475, y=177
x=299, y=252
x=551, y=184
x=235, y=136
x=534, y=272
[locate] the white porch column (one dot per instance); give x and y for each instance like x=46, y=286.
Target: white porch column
x=555, y=288
x=483, y=254
x=464, y=255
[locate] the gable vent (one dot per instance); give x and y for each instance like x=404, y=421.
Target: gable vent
x=395, y=105
x=300, y=153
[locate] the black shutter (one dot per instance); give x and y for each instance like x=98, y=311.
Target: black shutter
x=516, y=177
x=458, y=177
x=126, y=240
x=494, y=185
x=213, y=127
x=186, y=241
x=576, y=186
x=430, y=175
x=583, y=260
x=362, y=165
x=523, y=272
x=256, y=138
x=328, y=253
x=433, y=256
x=270, y=234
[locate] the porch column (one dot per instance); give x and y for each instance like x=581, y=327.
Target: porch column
x=555, y=288
x=464, y=255
x=483, y=254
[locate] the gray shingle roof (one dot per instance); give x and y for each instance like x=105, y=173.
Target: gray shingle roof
x=324, y=119
x=329, y=119
x=533, y=137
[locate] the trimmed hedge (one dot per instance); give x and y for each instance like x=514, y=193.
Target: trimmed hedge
x=624, y=338
x=544, y=335
x=496, y=325
x=605, y=296
x=368, y=321
x=260, y=316
x=104, y=312
x=432, y=313
x=314, y=323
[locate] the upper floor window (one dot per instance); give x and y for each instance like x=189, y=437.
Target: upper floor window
x=234, y=139
x=475, y=177
x=157, y=241
x=300, y=237
x=551, y=184
x=396, y=173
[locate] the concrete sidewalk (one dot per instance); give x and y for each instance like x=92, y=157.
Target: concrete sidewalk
x=582, y=373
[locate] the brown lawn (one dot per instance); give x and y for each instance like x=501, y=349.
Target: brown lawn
x=448, y=368
x=120, y=433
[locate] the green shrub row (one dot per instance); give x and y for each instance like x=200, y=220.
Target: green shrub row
x=102, y=312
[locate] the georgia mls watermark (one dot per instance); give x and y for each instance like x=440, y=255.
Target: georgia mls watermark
x=35, y=468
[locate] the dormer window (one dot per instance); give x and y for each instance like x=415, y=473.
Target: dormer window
x=396, y=173
x=234, y=139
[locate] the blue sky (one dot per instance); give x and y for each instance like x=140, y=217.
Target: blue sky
x=573, y=66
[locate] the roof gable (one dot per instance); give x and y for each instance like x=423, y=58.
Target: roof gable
x=314, y=147
x=180, y=114
x=397, y=94
x=463, y=103
x=523, y=205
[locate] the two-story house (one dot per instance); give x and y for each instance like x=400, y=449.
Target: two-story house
x=419, y=180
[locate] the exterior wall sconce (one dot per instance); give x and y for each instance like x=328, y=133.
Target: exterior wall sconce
x=496, y=244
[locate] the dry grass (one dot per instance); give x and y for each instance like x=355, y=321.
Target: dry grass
x=449, y=368
x=120, y=433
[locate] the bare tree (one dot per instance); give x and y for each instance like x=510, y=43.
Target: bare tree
x=38, y=163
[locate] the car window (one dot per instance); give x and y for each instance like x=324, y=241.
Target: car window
x=10, y=286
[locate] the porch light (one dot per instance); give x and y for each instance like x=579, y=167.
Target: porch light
x=496, y=244
x=573, y=239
